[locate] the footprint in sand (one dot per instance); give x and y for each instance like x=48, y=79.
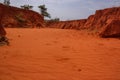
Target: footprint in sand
x=55, y=41
x=4, y=55
x=65, y=59
x=19, y=35
x=76, y=68
x=62, y=59
x=100, y=44
x=66, y=47
x=48, y=44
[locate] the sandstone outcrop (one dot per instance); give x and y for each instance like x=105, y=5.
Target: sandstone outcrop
x=73, y=24
x=112, y=29
x=105, y=23
x=16, y=17
x=102, y=17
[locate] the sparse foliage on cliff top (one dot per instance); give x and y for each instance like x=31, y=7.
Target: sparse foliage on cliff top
x=54, y=20
x=7, y=2
x=43, y=11
x=27, y=7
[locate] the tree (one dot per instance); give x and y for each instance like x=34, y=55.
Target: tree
x=55, y=20
x=7, y=2
x=43, y=11
x=27, y=7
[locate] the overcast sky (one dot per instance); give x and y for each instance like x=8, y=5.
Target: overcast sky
x=68, y=9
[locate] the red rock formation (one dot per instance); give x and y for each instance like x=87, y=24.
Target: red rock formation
x=112, y=29
x=2, y=30
x=73, y=24
x=105, y=22
x=102, y=17
x=16, y=17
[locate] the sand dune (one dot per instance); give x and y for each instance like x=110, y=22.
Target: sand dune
x=56, y=54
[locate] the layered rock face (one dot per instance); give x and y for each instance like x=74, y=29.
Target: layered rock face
x=73, y=24
x=102, y=18
x=112, y=29
x=105, y=22
x=16, y=17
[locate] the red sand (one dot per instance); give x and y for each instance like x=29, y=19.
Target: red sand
x=56, y=54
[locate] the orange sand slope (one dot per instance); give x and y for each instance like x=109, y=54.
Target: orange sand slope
x=56, y=54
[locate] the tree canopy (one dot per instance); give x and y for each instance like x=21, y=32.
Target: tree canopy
x=27, y=7
x=43, y=11
x=7, y=2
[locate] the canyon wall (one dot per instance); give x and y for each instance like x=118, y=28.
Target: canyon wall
x=102, y=17
x=16, y=17
x=73, y=24
x=104, y=22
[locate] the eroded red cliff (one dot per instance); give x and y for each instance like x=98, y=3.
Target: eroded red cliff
x=112, y=29
x=102, y=17
x=72, y=24
x=104, y=22
x=16, y=17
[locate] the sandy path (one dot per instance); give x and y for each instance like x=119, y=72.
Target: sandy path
x=55, y=54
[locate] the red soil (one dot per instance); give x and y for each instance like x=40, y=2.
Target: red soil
x=57, y=54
